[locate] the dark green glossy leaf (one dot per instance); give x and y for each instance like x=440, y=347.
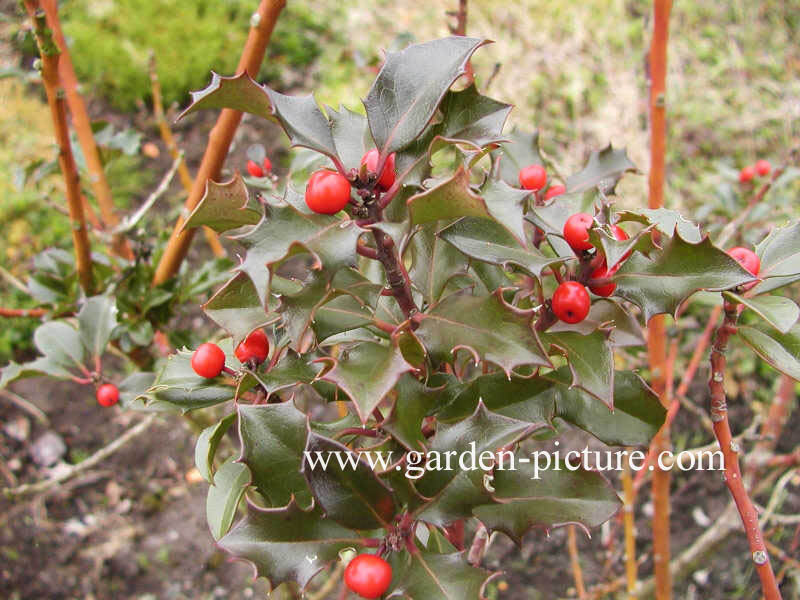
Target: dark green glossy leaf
x=273, y=439
x=603, y=170
x=177, y=384
x=468, y=117
x=224, y=206
x=96, y=320
x=206, y=446
x=665, y=220
x=659, y=285
x=433, y=576
x=288, y=544
x=367, y=373
x=781, y=350
x=521, y=150
x=591, y=362
x=224, y=495
x=778, y=311
x=239, y=93
x=350, y=494
x=780, y=258
x=410, y=86
x=608, y=315
x=237, y=308
x=350, y=136
x=556, y=497
x=414, y=402
x=485, y=326
x=487, y=241
x=434, y=262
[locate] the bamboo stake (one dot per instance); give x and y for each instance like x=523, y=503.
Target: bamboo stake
x=55, y=99
x=219, y=140
x=83, y=129
x=174, y=151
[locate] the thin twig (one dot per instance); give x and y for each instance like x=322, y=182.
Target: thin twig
x=49, y=53
x=629, y=500
x=22, y=312
x=26, y=405
x=94, y=459
x=574, y=561
x=329, y=584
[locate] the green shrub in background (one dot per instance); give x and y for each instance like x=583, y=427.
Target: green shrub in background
x=111, y=41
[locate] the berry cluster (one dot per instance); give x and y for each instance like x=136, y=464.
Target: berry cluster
x=328, y=192
x=257, y=170
x=762, y=168
x=209, y=360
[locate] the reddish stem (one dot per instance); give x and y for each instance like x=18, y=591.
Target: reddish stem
x=22, y=312
x=366, y=251
x=730, y=451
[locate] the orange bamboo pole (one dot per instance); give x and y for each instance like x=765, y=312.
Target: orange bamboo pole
x=220, y=138
x=55, y=99
x=656, y=338
x=83, y=129
x=174, y=151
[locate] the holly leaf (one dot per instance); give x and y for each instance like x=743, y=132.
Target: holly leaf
x=433, y=576
x=485, y=326
x=550, y=218
x=284, y=231
x=779, y=253
x=410, y=86
x=414, y=402
x=471, y=118
x=273, y=439
x=603, y=170
x=224, y=206
x=224, y=496
x=434, y=263
x=528, y=496
x=239, y=93
x=178, y=385
x=591, y=362
x=636, y=417
x=237, y=308
x=780, y=350
x=367, y=373
x=665, y=220
x=660, y=284
x=350, y=493
x=778, y=311
x=520, y=151
x=96, y=320
x=489, y=242
x=291, y=370
x=608, y=315
x=615, y=250
x=279, y=542
x=350, y=136
x=454, y=198
x=206, y=447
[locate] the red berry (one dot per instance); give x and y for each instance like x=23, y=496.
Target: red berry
x=254, y=169
x=747, y=174
x=368, y=575
x=571, y=302
x=576, y=231
x=554, y=190
x=533, y=177
x=208, y=360
x=605, y=289
x=107, y=394
x=267, y=164
x=254, y=348
x=327, y=192
x=619, y=233
x=370, y=159
x=747, y=258
x=763, y=167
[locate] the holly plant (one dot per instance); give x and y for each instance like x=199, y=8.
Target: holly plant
x=420, y=291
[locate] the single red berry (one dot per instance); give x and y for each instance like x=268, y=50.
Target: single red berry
x=576, y=231
x=254, y=169
x=370, y=159
x=208, y=360
x=746, y=175
x=327, y=192
x=619, y=233
x=605, y=289
x=254, y=348
x=571, y=302
x=107, y=394
x=554, y=190
x=368, y=575
x=763, y=167
x=747, y=258
x=533, y=177
x=267, y=164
